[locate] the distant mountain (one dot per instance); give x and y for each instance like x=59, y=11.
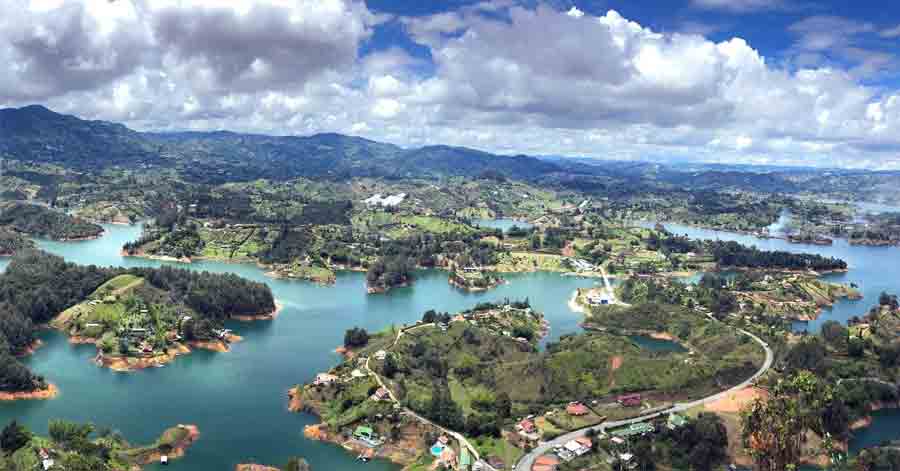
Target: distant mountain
x=35, y=133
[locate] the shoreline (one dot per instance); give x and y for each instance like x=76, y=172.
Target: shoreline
x=50, y=392
x=29, y=350
x=270, y=316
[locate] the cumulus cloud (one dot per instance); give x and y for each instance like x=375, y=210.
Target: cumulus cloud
x=500, y=77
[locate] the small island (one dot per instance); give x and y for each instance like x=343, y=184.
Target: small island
x=474, y=279
x=82, y=447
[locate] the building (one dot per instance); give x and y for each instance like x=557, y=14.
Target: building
x=381, y=394
x=585, y=442
x=380, y=355
x=526, y=426
x=576, y=448
x=323, y=379
x=364, y=433
x=545, y=463
x=635, y=429
x=576, y=409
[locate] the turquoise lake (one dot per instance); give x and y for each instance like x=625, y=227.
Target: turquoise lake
x=239, y=399
x=657, y=345
x=873, y=269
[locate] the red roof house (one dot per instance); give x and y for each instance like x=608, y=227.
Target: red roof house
x=576, y=408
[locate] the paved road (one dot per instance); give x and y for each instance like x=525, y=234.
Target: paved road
x=527, y=461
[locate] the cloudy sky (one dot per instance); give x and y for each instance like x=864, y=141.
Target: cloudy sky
x=813, y=82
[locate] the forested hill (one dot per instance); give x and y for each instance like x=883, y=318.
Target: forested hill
x=37, y=134
x=39, y=221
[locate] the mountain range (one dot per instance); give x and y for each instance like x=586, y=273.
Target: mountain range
x=37, y=134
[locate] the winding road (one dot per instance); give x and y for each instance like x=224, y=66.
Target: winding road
x=527, y=461
x=458, y=436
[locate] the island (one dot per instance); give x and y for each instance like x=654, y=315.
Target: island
x=82, y=447
x=474, y=279
x=137, y=317
x=454, y=389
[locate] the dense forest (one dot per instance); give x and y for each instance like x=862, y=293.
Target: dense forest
x=12, y=242
x=37, y=286
x=42, y=222
x=734, y=254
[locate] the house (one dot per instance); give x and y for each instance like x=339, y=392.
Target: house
x=599, y=299
x=575, y=448
x=576, y=409
x=381, y=394
x=526, y=426
x=325, y=379
x=47, y=463
x=635, y=429
x=545, y=463
x=364, y=433
x=443, y=440
x=676, y=421
x=380, y=355
x=629, y=400
x=585, y=442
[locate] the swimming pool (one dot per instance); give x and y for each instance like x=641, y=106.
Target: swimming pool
x=437, y=449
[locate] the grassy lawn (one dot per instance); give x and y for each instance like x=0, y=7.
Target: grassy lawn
x=118, y=283
x=490, y=446
x=529, y=261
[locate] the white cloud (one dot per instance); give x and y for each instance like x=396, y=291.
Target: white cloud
x=739, y=5
x=891, y=32
x=505, y=79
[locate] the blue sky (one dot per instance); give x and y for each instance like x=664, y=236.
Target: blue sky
x=755, y=81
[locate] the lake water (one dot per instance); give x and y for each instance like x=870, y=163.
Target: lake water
x=873, y=269
x=504, y=224
x=238, y=399
x=657, y=345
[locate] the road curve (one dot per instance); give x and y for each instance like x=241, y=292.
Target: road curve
x=527, y=461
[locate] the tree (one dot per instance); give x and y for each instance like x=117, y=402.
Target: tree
x=297, y=464
x=13, y=437
x=390, y=366
x=775, y=429
x=356, y=337
x=835, y=334
x=806, y=355
x=503, y=405
x=443, y=410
